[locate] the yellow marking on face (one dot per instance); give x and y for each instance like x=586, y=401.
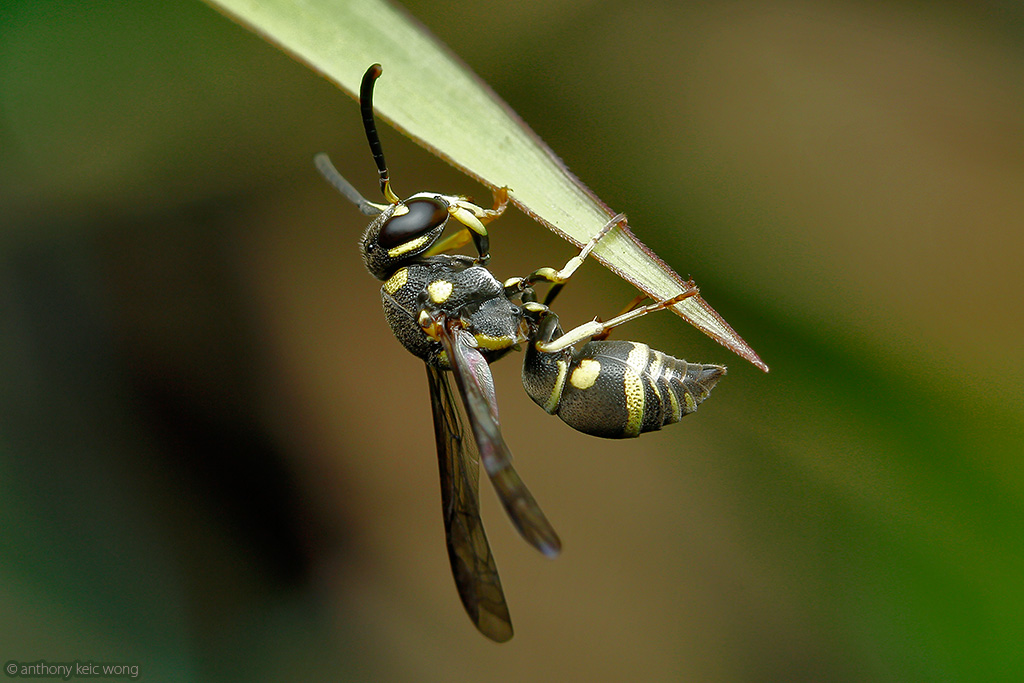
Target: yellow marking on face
x=585, y=374
x=439, y=291
x=486, y=341
x=691, y=405
x=396, y=281
x=556, y=392
x=411, y=245
x=633, y=387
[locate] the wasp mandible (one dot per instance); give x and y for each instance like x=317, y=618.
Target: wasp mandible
x=449, y=310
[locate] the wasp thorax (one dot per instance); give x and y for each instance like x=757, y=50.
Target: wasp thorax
x=403, y=231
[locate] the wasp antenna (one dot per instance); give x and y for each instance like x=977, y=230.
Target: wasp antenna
x=331, y=175
x=370, y=125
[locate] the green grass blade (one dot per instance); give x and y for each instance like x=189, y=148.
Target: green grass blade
x=432, y=97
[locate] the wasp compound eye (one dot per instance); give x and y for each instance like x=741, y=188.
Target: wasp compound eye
x=424, y=215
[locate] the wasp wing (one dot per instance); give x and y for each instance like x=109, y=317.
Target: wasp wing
x=476, y=574
x=473, y=378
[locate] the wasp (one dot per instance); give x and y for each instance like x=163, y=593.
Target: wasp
x=449, y=310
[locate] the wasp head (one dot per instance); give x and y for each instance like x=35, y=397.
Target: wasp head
x=402, y=232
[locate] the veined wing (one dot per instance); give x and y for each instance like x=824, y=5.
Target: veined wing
x=473, y=377
x=473, y=566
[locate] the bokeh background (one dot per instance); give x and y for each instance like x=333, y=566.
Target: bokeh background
x=217, y=464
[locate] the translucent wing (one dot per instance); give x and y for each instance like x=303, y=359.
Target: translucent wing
x=476, y=574
x=473, y=378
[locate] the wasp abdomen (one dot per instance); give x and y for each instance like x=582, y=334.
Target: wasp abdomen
x=619, y=389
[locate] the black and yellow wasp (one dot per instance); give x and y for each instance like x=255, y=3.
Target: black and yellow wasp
x=449, y=310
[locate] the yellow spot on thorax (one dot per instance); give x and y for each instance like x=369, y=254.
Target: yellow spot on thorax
x=486, y=341
x=585, y=374
x=396, y=281
x=439, y=291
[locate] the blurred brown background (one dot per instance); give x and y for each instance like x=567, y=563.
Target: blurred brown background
x=215, y=461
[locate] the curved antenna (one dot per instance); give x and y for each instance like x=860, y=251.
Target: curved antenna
x=366, y=106
x=331, y=175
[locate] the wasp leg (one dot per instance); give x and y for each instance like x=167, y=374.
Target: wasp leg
x=629, y=307
x=476, y=217
x=595, y=328
x=558, y=278
x=450, y=243
x=500, y=203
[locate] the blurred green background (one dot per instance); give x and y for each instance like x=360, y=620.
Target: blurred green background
x=216, y=463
